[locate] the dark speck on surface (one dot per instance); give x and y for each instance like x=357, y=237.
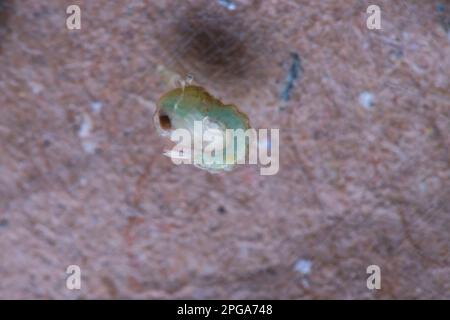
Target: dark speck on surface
x=46, y=143
x=295, y=72
x=221, y=210
x=4, y=223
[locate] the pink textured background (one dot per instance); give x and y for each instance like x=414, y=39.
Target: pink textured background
x=356, y=186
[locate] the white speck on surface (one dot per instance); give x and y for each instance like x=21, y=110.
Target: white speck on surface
x=36, y=88
x=96, y=106
x=84, y=132
x=83, y=181
x=303, y=266
x=85, y=127
x=366, y=99
x=230, y=5
x=89, y=146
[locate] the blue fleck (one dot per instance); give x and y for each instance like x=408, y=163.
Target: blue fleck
x=295, y=72
x=230, y=5
x=303, y=266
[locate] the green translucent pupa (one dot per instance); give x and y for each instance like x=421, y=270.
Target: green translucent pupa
x=182, y=107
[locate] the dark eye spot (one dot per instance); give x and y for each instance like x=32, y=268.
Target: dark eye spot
x=164, y=122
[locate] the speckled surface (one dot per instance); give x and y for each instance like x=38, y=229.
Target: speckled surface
x=364, y=149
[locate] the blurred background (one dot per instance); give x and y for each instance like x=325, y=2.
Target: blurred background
x=364, y=118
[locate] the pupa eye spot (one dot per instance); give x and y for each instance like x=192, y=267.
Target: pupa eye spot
x=164, y=122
